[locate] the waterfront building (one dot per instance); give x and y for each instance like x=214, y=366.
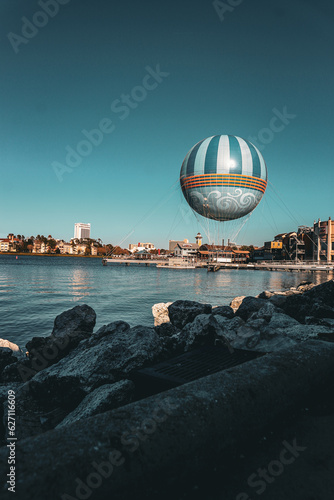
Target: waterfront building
x=172, y=244
x=141, y=246
x=221, y=253
x=93, y=249
x=81, y=230
x=186, y=250
x=65, y=248
x=9, y=244
x=323, y=247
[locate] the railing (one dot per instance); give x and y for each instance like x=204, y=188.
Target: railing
x=299, y=262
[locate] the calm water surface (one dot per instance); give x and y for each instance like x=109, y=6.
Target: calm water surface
x=34, y=290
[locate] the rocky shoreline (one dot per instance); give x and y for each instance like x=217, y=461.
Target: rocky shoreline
x=76, y=373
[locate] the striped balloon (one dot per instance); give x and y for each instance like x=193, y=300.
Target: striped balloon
x=223, y=177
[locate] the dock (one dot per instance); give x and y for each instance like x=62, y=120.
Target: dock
x=265, y=266
x=132, y=262
x=217, y=266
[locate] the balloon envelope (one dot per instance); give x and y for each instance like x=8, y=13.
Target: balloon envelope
x=223, y=177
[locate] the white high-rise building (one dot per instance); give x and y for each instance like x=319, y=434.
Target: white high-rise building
x=81, y=230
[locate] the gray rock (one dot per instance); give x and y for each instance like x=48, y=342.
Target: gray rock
x=70, y=328
x=112, y=358
x=225, y=311
x=247, y=338
x=304, y=286
x=236, y=302
x=265, y=295
x=77, y=322
x=166, y=330
x=204, y=330
x=301, y=332
x=6, y=358
x=110, y=329
x=278, y=299
x=104, y=398
x=15, y=348
x=183, y=312
x=267, y=311
x=266, y=340
x=248, y=306
x=160, y=313
x=228, y=327
x=257, y=324
x=281, y=320
x=317, y=302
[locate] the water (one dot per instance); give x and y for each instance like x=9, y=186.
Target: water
x=34, y=290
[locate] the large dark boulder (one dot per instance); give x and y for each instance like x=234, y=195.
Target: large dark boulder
x=182, y=312
x=204, y=330
x=95, y=362
x=77, y=322
x=248, y=306
x=70, y=328
x=225, y=311
x=318, y=302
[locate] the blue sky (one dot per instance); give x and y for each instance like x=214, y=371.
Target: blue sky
x=226, y=72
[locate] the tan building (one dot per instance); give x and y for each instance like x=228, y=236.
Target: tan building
x=65, y=247
x=138, y=247
x=4, y=245
x=9, y=244
x=172, y=244
x=323, y=248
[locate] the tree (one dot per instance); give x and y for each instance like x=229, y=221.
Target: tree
x=51, y=245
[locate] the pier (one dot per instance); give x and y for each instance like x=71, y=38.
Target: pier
x=217, y=266
x=133, y=262
x=273, y=266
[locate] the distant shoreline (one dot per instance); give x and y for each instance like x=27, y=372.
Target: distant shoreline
x=13, y=254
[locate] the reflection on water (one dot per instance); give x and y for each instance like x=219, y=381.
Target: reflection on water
x=34, y=290
x=79, y=284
